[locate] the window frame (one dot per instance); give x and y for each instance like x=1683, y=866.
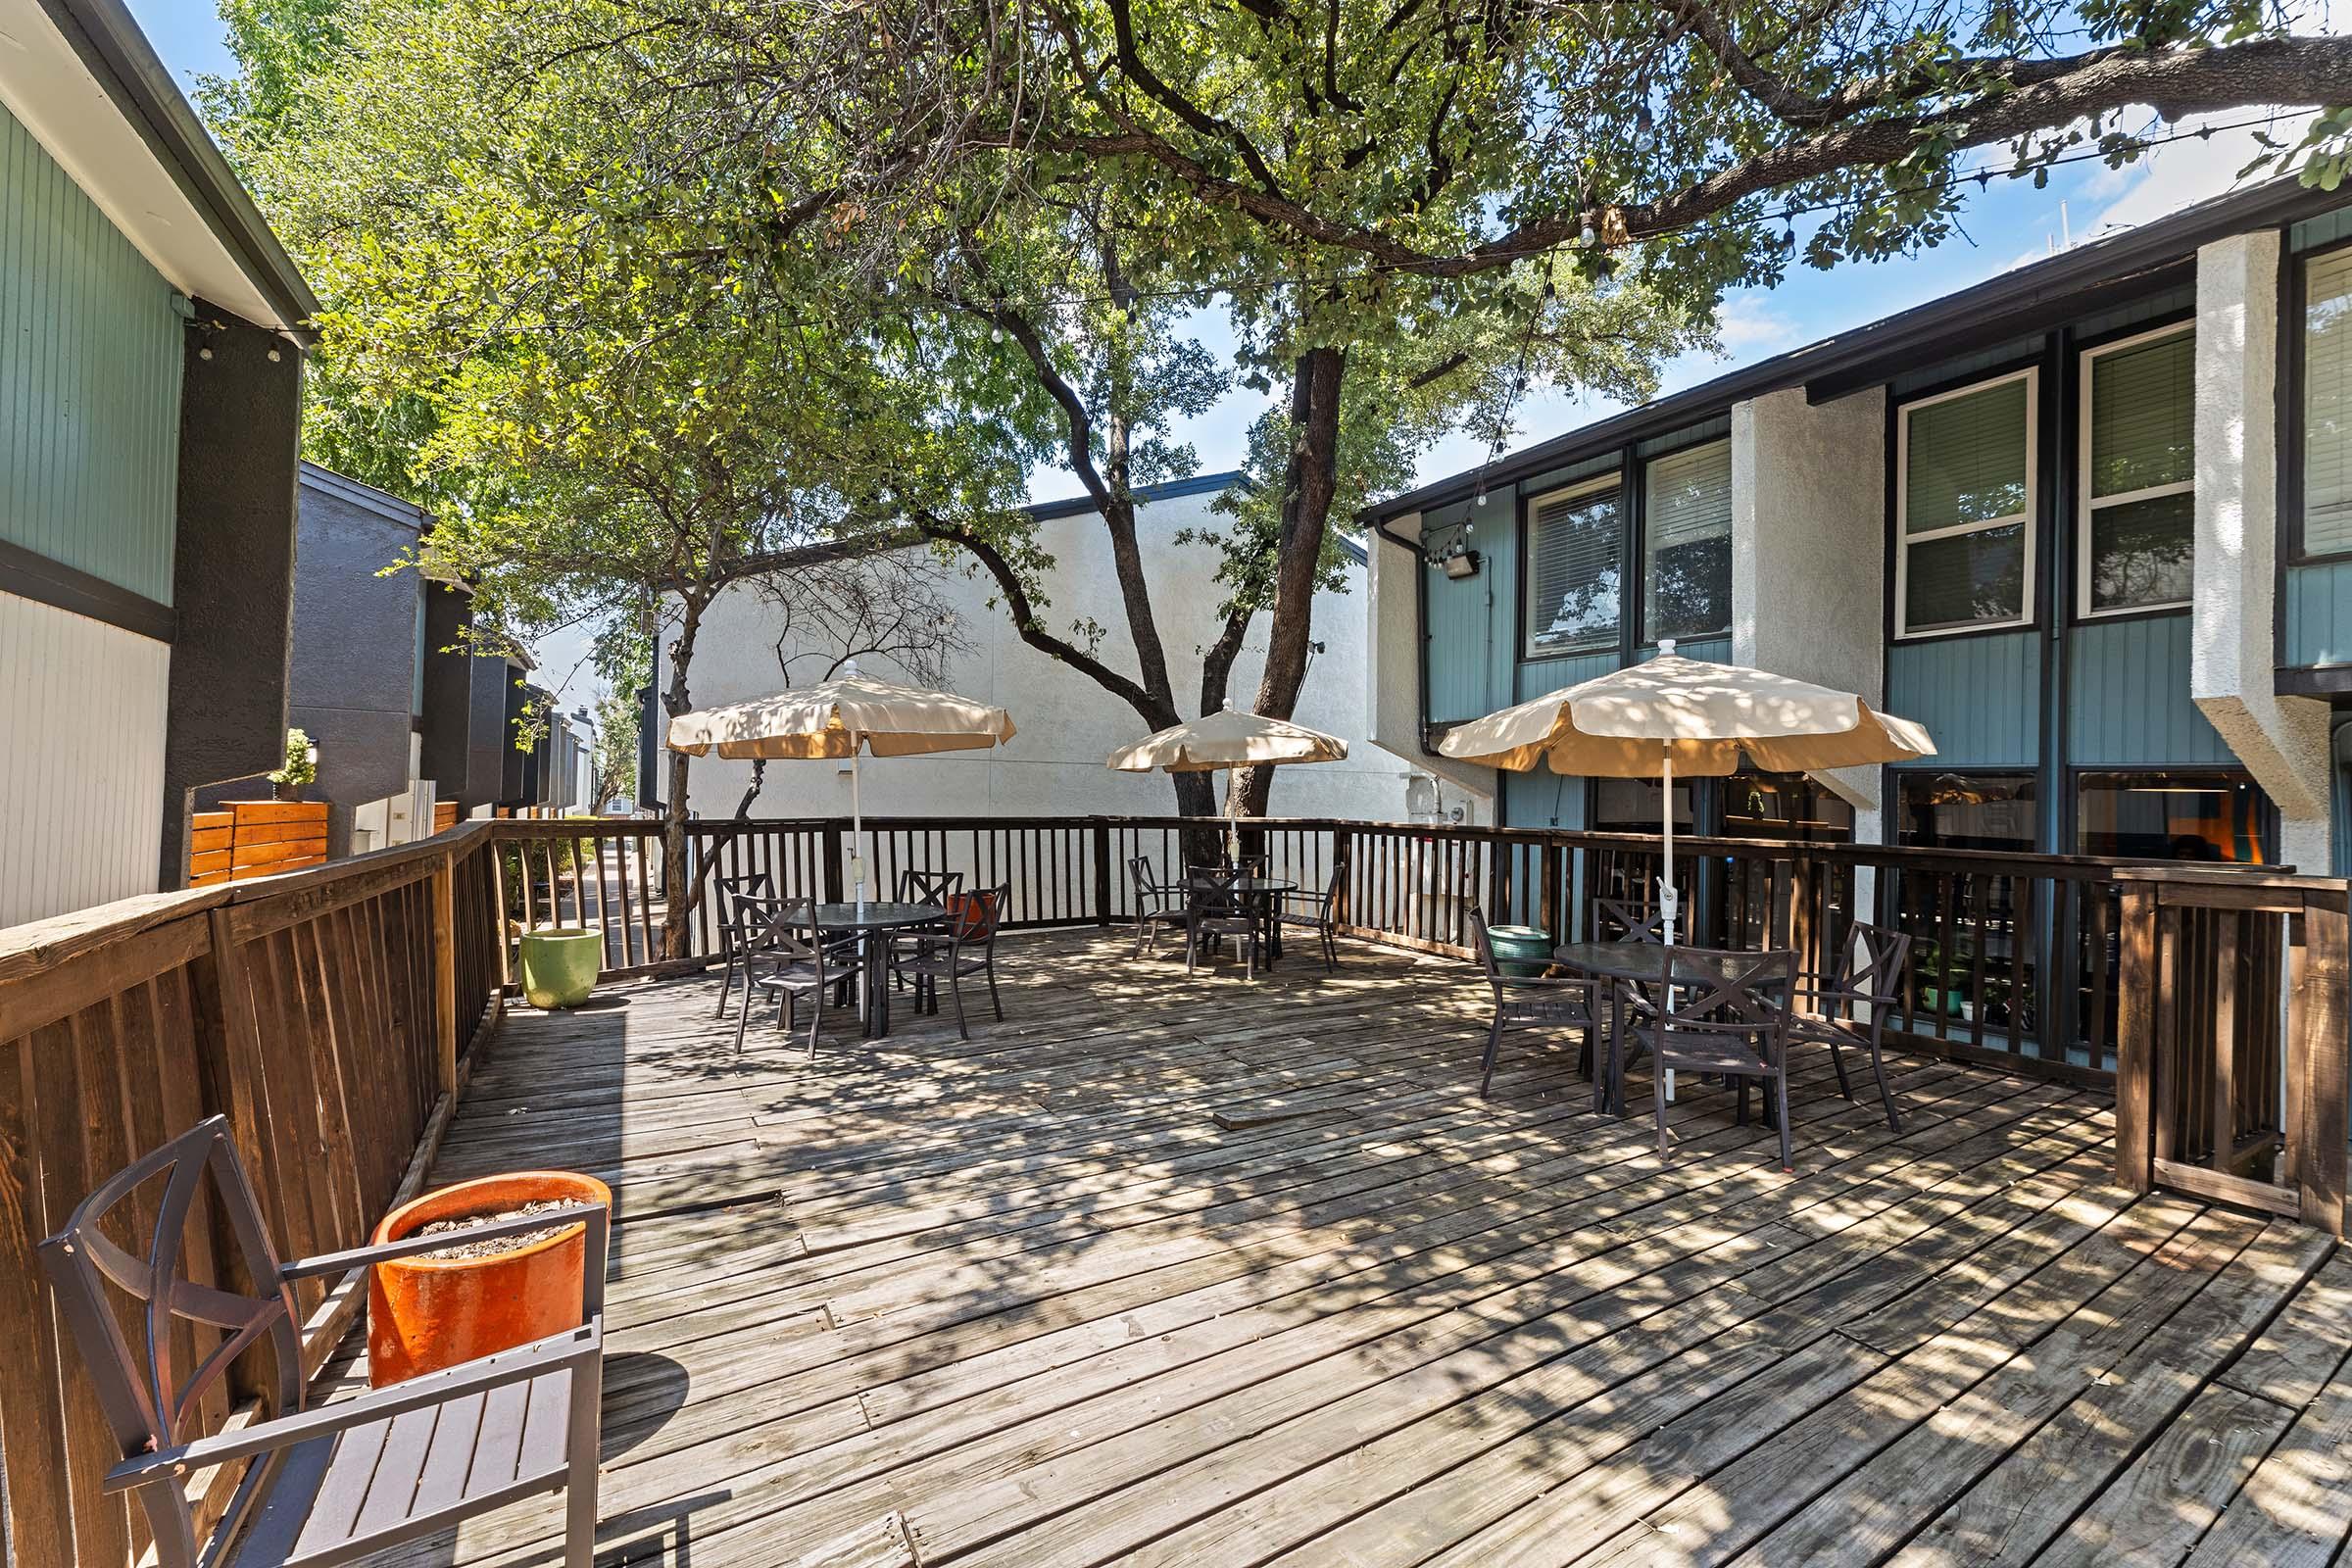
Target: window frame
x=2086, y=505
x=1592, y=485
x=1638, y=536
x=2294, y=281
x=2268, y=826
x=2028, y=521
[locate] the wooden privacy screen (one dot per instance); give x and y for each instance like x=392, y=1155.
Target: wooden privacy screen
x=2233, y=1079
x=328, y=1014
x=240, y=840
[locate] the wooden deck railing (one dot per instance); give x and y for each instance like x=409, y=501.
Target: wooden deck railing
x=2231, y=1083
x=331, y=1013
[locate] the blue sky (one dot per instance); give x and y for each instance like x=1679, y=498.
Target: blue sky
x=2010, y=222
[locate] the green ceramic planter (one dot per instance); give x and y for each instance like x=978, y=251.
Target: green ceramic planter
x=559, y=967
x=1521, y=950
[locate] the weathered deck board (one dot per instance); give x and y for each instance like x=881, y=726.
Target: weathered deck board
x=1026, y=1300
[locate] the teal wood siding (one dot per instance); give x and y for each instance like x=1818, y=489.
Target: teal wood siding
x=1980, y=697
x=1539, y=675
x=1456, y=631
x=1542, y=799
x=2128, y=696
x=90, y=351
x=2319, y=614
x=1472, y=623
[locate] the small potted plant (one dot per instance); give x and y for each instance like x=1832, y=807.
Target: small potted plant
x=474, y=1298
x=301, y=769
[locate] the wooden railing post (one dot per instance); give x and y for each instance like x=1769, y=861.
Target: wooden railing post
x=830, y=853
x=2136, y=1039
x=445, y=973
x=1102, y=838
x=1551, y=901
x=2317, y=1065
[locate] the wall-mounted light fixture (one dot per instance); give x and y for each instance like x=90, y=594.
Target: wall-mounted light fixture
x=1452, y=551
x=1461, y=562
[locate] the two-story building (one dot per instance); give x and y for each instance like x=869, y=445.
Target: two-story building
x=151, y=351
x=2090, y=522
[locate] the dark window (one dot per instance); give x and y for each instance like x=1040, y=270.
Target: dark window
x=1965, y=496
x=1967, y=811
x=1687, y=544
x=1574, y=543
x=1636, y=806
x=2139, y=471
x=2172, y=817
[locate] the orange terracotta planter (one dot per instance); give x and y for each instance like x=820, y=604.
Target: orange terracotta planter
x=425, y=1314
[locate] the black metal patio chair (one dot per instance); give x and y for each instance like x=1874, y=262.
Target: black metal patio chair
x=790, y=957
x=1532, y=1001
x=1316, y=911
x=966, y=944
x=729, y=888
x=1155, y=906
x=322, y=1485
x=1725, y=1014
x=1869, y=976
x=1214, y=910
x=921, y=887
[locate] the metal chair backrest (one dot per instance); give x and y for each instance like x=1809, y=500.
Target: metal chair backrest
x=1738, y=996
x=1622, y=922
x=1484, y=944
x=928, y=887
x=974, y=918
x=1147, y=881
x=1210, y=889
x=733, y=890
x=1870, y=961
x=147, y=1396
x=784, y=928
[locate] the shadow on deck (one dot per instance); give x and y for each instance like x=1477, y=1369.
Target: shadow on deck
x=1228, y=1273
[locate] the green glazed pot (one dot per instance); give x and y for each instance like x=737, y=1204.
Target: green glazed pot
x=559, y=967
x=1521, y=950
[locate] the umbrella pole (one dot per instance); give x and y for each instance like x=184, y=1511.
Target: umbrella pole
x=1233, y=818
x=857, y=838
x=1668, y=901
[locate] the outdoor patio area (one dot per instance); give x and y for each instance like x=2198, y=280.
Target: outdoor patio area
x=1229, y=1272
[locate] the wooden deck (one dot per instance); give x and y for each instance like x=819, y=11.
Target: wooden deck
x=1071, y=1294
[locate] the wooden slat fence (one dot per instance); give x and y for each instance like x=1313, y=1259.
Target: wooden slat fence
x=328, y=1013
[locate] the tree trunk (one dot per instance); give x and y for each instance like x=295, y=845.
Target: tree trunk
x=679, y=896
x=1310, y=479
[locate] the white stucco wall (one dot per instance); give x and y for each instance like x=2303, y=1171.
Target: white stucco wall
x=1393, y=677
x=2282, y=740
x=1067, y=724
x=1808, y=554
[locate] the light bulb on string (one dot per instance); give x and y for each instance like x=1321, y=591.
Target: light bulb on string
x=1586, y=237
x=995, y=334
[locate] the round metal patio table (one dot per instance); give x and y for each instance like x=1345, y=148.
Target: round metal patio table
x=873, y=926
x=1263, y=891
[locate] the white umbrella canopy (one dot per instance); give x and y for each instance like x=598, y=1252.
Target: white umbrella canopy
x=838, y=718
x=1685, y=716
x=1227, y=740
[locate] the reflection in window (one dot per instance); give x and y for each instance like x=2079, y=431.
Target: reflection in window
x=1687, y=544
x=1967, y=811
x=2140, y=465
x=1636, y=805
x=1785, y=806
x=2172, y=817
x=1965, y=500
x=1574, y=541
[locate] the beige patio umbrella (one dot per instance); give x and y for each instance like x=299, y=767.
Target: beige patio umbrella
x=842, y=717
x=1685, y=716
x=1227, y=740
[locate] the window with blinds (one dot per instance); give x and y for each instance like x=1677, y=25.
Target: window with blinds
x=2327, y=403
x=1687, y=544
x=1575, y=540
x=1964, y=500
x=2138, y=522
